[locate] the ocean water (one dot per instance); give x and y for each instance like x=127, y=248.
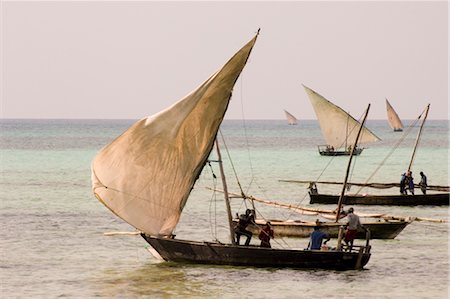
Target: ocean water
x=52, y=238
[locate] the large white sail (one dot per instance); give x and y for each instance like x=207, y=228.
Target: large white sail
x=292, y=120
x=393, y=119
x=338, y=127
x=146, y=174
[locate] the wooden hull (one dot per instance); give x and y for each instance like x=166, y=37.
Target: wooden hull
x=435, y=199
x=301, y=229
x=357, y=152
x=222, y=254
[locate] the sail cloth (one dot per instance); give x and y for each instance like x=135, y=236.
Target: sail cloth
x=146, y=174
x=393, y=119
x=338, y=127
x=292, y=120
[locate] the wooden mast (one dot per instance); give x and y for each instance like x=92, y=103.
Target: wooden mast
x=341, y=197
x=418, y=138
x=225, y=192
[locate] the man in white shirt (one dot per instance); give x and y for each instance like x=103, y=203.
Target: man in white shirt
x=352, y=228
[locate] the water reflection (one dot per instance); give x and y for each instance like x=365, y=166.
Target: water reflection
x=152, y=279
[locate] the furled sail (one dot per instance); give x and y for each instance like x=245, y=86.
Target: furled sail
x=146, y=174
x=338, y=127
x=292, y=120
x=393, y=119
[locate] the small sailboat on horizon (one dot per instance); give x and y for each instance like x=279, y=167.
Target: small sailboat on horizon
x=291, y=119
x=393, y=119
x=338, y=127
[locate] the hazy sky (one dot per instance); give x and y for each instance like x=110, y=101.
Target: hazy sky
x=132, y=59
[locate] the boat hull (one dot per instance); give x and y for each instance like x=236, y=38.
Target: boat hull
x=357, y=152
x=435, y=199
x=301, y=229
x=222, y=254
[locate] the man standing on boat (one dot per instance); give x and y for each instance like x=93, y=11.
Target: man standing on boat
x=403, y=184
x=409, y=182
x=352, y=228
x=241, y=228
x=423, y=183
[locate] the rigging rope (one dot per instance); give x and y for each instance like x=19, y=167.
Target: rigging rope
x=333, y=157
x=244, y=124
x=396, y=145
x=232, y=164
x=213, y=200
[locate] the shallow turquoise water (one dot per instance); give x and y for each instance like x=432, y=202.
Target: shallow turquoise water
x=53, y=245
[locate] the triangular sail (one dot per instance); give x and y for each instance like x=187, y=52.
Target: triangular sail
x=146, y=174
x=338, y=127
x=393, y=119
x=292, y=120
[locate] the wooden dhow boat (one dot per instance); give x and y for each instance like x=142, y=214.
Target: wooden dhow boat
x=338, y=127
x=291, y=119
x=145, y=177
x=429, y=199
x=393, y=119
x=381, y=229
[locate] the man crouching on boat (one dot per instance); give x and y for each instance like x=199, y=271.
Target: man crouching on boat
x=352, y=228
x=241, y=227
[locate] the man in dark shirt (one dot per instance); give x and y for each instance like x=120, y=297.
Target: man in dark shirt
x=423, y=183
x=241, y=227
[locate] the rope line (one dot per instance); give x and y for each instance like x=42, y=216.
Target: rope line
x=396, y=145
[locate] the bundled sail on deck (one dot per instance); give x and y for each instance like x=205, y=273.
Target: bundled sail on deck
x=393, y=119
x=146, y=174
x=292, y=120
x=338, y=127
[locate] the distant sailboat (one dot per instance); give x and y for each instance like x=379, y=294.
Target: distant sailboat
x=394, y=120
x=338, y=127
x=292, y=120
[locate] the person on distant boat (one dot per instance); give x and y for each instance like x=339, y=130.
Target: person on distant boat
x=316, y=238
x=403, y=184
x=409, y=182
x=241, y=227
x=312, y=188
x=352, y=228
x=265, y=235
x=329, y=148
x=423, y=183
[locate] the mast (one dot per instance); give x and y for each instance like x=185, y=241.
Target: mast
x=225, y=193
x=418, y=138
x=338, y=213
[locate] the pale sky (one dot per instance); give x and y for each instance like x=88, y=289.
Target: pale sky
x=114, y=59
